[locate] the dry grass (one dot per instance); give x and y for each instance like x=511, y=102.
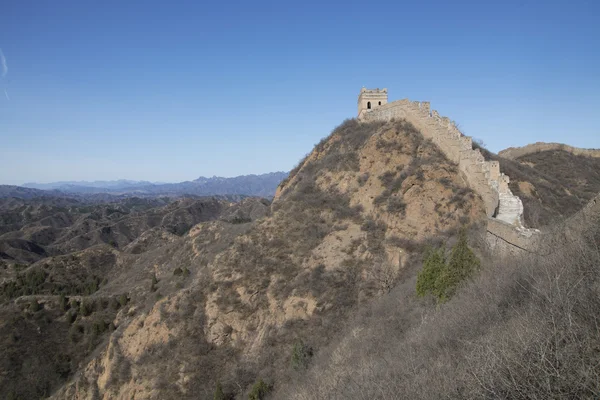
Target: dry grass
x=526, y=328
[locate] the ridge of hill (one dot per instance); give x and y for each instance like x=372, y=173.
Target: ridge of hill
x=513, y=153
x=31, y=230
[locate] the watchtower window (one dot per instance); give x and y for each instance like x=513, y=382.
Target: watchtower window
x=379, y=103
x=368, y=105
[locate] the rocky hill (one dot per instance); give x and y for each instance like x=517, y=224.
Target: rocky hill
x=159, y=298
x=525, y=327
x=227, y=297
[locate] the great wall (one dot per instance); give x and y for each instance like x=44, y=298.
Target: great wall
x=505, y=230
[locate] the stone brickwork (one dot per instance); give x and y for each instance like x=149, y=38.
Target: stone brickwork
x=370, y=99
x=504, y=238
x=484, y=177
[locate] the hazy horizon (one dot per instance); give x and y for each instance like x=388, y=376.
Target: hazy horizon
x=97, y=181
x=161, y=92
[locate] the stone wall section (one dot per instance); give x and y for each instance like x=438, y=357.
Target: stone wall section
x=504, y=210
x=484, y=177
x=505, y=232
x=504, y=238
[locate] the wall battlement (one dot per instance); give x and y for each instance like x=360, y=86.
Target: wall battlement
x=484, y=177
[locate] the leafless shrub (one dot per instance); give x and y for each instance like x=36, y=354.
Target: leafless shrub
x=405, y=243
x=363, y=178
x=396, y=204
x=385, y=276
x=447, y=183
x=526, y=328
x=460, y=196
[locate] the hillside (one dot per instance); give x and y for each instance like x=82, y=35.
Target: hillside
x=227, y=298
x=513, y=153
x=63, y=268
x=525, y=328
x=25, y=193
x=554, y=181
x=166, y=298
x=34, y=229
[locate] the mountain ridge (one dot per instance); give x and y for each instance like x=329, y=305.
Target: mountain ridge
x=262, y=185
x=513, y=153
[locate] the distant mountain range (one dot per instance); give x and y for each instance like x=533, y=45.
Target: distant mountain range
x=117, y=184
x=263, y=185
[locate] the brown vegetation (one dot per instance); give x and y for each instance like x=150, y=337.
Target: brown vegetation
x=526, y=328
x=202, y=298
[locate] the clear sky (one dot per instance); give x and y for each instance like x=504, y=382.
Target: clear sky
x=171, y=90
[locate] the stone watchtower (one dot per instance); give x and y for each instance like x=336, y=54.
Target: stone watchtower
x=369, y=99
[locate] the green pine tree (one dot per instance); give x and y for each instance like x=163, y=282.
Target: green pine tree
x=219, y=395
x=301, y=355
x=440, y=277
x=434, y=264
x=259, y=390
x=463, y=263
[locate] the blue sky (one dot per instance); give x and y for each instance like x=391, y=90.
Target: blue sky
x=162, y=92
